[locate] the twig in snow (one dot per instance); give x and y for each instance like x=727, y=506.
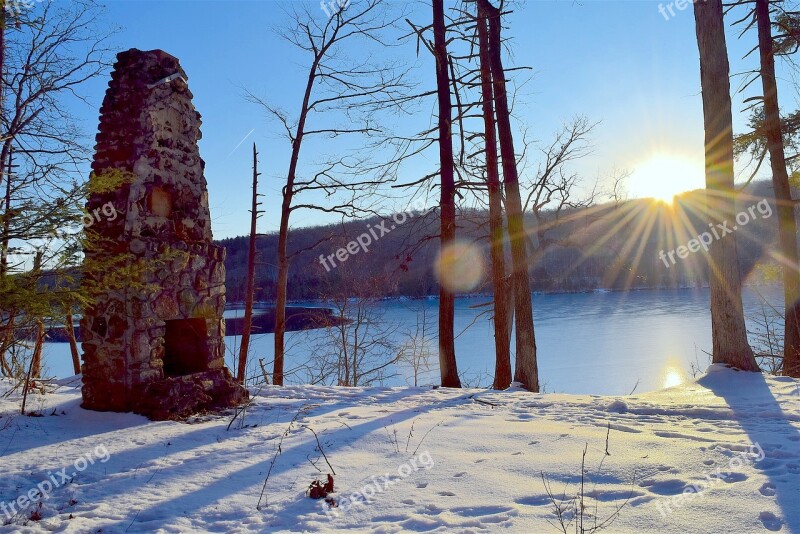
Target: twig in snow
x=133, y=520
x=242, y=410
x=410, y=433
x=575, y=520
x=425, y=436
x=319, y=446
x=394, y=441
x=278, y=452
x=308, y=457
x=487, y=403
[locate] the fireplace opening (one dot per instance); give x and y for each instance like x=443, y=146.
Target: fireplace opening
x=185, y=347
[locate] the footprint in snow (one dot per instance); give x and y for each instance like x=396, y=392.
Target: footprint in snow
x=536, y=500
x=767, y=489
x=459, y=475
x=422, y=485
x=533, y=443
x=446, y=494
x=730, y=478
x=664, y=487
x=770, y=466
x=770, y=521
x=481, y=460
x=516, y=453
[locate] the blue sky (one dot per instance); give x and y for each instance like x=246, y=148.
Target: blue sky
x=619, y=62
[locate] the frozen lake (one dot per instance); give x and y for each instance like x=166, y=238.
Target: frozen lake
x=594, y=343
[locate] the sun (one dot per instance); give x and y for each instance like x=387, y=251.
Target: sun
x=663, y=176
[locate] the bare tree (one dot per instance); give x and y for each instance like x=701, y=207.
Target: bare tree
x=785, y=205
x=69, y=326
x=251, y=275
x=418, y=351
x=356, y=346
x=526, y=371
x=447, y=204
x=48, y=52
x=729, y=336
x=355, y=88
x=500, y=286
x=618, y=192
x=552, y=191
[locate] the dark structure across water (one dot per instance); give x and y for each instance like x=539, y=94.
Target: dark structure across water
x=297, y=318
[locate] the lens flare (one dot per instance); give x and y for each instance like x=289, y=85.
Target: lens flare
x=460, y=266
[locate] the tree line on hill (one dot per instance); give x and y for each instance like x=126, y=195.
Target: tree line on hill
x=572, y=263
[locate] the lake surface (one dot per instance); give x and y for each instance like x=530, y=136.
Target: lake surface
x=595, y=343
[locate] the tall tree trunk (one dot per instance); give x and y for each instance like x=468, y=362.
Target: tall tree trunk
x=36, y=362
x=8, y=327
x=502, y=339
x=729, y=336
x=6, y=339
x=283, y=231
x=787, y=226
x=447, y=350
x=3, y=22
x=6, y=155
x=281, y=288
x=251, y=275
x=73, y=343
x=526, y=371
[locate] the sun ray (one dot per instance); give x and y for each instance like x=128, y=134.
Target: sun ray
x=626, y=214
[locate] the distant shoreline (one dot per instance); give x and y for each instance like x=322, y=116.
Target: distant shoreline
x=234, y=305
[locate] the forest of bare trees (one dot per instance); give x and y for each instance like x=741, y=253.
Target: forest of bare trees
x=480, y=159
x=543, y=225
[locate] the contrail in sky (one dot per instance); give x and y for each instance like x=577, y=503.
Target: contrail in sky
x=240, y=142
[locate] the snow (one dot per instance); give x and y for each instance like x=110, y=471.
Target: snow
x=719, y=454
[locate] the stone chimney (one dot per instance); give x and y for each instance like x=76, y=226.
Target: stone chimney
x=153, y=335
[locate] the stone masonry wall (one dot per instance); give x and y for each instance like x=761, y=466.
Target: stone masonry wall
x=148, y=135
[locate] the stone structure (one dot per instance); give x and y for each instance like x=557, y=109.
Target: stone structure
x=153, y=337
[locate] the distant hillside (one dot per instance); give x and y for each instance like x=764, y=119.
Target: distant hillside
x=607, y=246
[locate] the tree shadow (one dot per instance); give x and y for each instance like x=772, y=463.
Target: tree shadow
x=252, y=475
x=760, y=414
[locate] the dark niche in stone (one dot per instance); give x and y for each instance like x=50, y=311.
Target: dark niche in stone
x=153, y=336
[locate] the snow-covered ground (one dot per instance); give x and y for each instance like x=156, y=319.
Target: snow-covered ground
x=721, y=454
